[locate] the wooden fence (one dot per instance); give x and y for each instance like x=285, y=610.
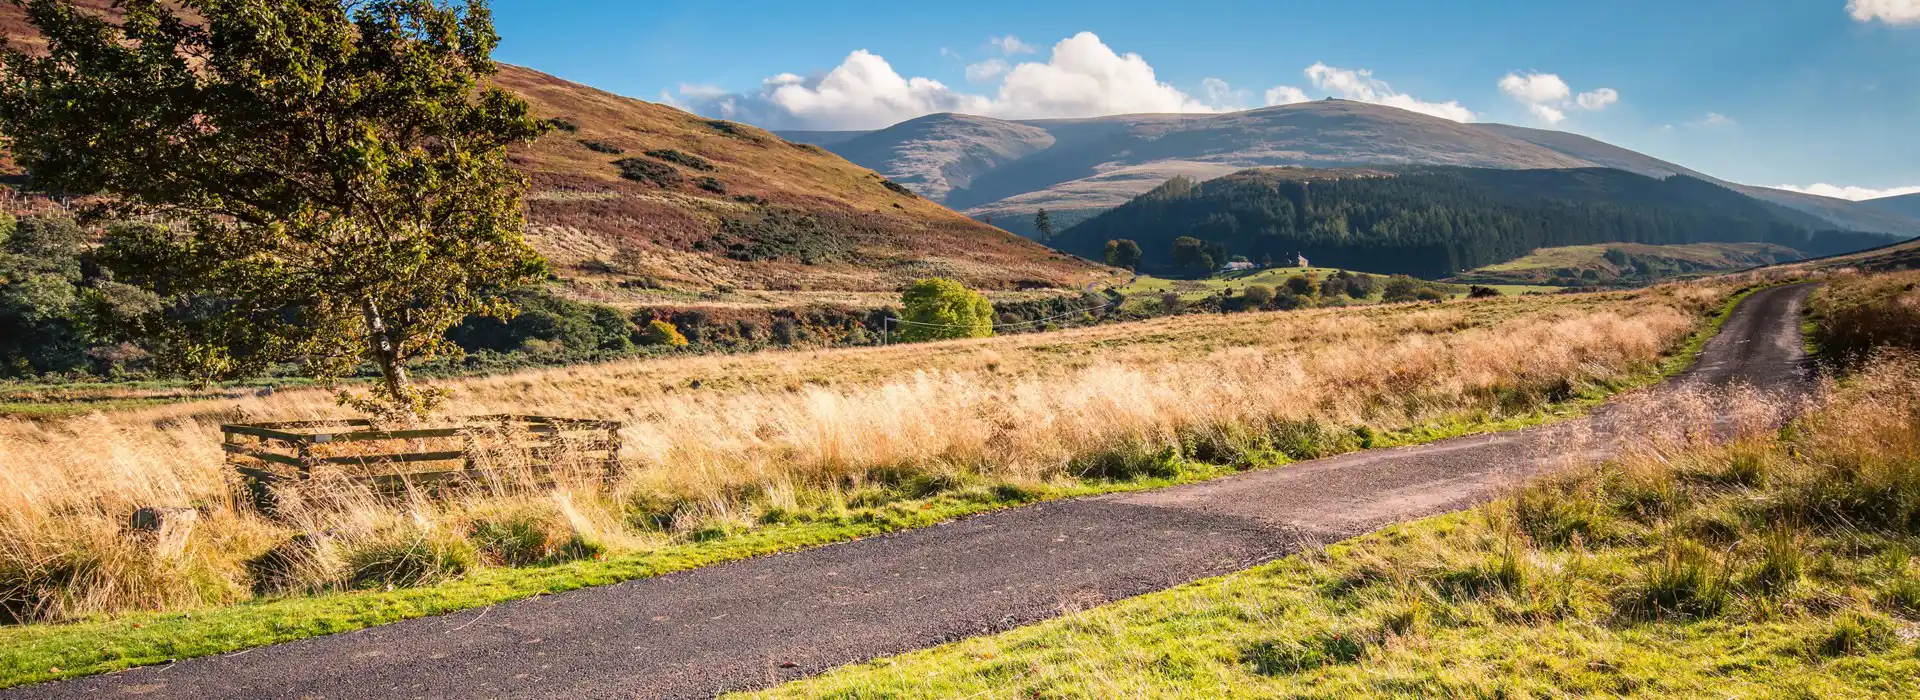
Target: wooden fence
x=478, y=450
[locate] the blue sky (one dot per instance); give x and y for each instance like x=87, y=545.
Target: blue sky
x=1767, y=92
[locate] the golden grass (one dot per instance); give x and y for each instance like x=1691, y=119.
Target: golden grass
x=724, y=439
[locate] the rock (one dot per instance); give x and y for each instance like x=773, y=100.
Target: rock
x=167, y=528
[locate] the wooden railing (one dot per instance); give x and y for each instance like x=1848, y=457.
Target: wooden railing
x=477, y=450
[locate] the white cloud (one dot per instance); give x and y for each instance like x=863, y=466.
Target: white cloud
x=1598, y=99
x=1361, y=86
x=1548, y=113
x=1082, y=77
x=1716, y=119
x=1849, y=192
x=1010, y=45
x=1896, y=12
x=1535, y=88
x=1548, y=97
x=1285, y=95
x=986, y=71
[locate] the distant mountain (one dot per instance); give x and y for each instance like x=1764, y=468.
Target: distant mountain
x=1837, y=212
x=1905, y=205
x=719, y=205
x=1096, y=164
x=1435, y=221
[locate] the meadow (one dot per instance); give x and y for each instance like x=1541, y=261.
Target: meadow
x=1758, y=562
x=730, y=456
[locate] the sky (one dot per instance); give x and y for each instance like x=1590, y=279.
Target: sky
x=1818, y=95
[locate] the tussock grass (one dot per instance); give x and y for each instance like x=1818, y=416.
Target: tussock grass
x=1758, y=561
x=736, y=456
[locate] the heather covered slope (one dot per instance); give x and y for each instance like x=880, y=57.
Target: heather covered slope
x=736, y=206
x=723, y=206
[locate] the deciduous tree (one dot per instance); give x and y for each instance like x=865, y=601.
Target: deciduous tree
x=941, y=309
x=336, y=170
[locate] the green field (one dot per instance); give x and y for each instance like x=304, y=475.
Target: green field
x=1190, y=290
x=1588, y=265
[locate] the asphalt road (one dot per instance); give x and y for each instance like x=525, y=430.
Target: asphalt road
x=759, y=622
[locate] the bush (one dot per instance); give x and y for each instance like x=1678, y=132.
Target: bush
x=711, y=184
x=941, y=309
x=660, y=332
x=682, y=159
x=1257, y=296
x=602, y=147
x=647, y=171
x=1479, y=292
x=1300, y=285
x=563, y=124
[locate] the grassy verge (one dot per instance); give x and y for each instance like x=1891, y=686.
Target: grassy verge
x=1780, y=564
x=44, y=652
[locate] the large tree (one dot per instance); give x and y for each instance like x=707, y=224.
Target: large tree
x=1043, y=226
x=336, y=172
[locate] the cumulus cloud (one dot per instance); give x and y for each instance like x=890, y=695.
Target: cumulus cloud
x=1285, y=95
x=1896, y=12
x=1360, y=86
x=1548, y=97
x=1082, y=77
x=1716, y=119
x=1598, y=99
x=987, y=71
x=1536, y=88
x=1010, y=45
x=1849, y=192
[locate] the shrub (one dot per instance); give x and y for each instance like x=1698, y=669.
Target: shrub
x=647, y=171
x=1479, y=292
x=940, y=309
x=1300, y=285
x=602, y=147
x=898, y=188
x=711, y=184
x=660, y=332
x=563, y=124
x=681, y=158
x=1257, y=296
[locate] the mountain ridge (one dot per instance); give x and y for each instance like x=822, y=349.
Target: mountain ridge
x=1101, y=162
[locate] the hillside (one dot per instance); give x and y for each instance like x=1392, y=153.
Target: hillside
x=1627, y=263
x=1838, y=213
x=1096, y=164
x=1436, y=221
x=1904, y=205
x=724, y=206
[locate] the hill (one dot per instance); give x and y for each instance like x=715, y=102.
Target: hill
x=1100, y=163
x=1904, y=205
x=712, y=205
x=1627, y=263
x=1436, y=221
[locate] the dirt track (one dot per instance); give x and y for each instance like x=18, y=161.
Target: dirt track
x=762, y=621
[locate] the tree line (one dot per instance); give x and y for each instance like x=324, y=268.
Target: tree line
x=1430, y=222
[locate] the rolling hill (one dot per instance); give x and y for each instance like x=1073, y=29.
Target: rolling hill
x=1435, y=221
x=725, y=206
x=1096, y=164
x=1904, y=205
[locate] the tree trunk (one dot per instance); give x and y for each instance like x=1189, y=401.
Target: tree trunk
x=386, y=354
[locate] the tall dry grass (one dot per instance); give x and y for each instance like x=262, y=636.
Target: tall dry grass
x=723, y=438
